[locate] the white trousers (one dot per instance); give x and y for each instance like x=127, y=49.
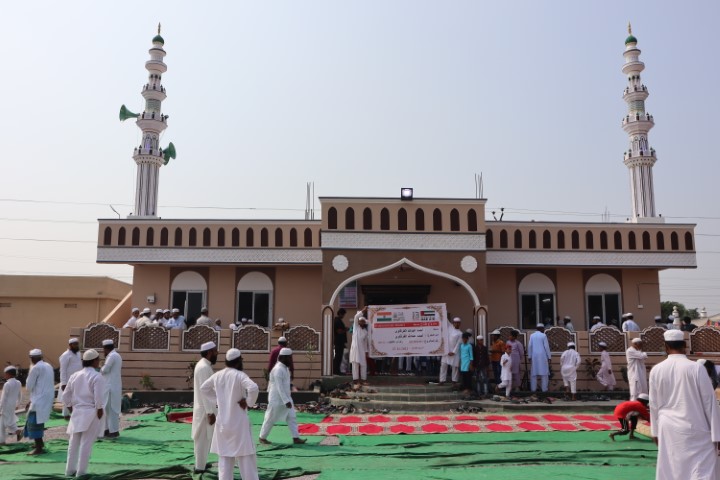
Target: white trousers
x=636, y=388
x=79, y=450
x=359, y=371
x=276, y=413
x=571, y=383
x=507, y=385
x=202, y=439
x=247, y=465
x=443, y=373
x=543, y=382
x=7, y=427
x=112, y=416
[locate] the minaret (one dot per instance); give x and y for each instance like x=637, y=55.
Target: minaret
x=148, y=155
x=640, y=158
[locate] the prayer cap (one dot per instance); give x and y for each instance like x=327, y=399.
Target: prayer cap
x=469, y=330
x=250, y=320
x=624, y=315
x=73, y=340
x=457, y=320
x=596, y=317
x=232, y=354
x=166, y=311
x=204, y=310
x=108, y=342
x=207, y=346
x=146, y=310
x=629, y=314
x=644, y=396
x=175, y=310
x=602, y=344
x=567, y=317
x=496, y=332
x=540, y=325
x=285, y=352
x=282, y=340
x=571, y=344
x=135, y=309
x=480, y=337
x=701, y=361
x=636, y=340
x=91, y=354
x=674, y=336
x=10, y=368
x=36, y=352
x=159, y=310
x=658, y=318
x=243, y=320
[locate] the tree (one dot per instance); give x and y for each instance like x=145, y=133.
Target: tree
x=666, y=308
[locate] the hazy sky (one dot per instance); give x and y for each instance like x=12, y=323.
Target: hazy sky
x=361, y=97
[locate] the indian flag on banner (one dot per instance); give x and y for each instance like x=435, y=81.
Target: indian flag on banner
x=383, y=317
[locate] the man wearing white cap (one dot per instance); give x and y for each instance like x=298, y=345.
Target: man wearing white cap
x=112, y=372
x=144, y=319
x=84, y=396
x=203, y=423
x=567, y=323
x=597, y=323
x=9, y=400
x=70, y=362
x=203, y=319
x=629, y=324
x=40, y=384
x=569, y=363
x=636, y=372
x=539, y=355
x=684, y=416
x=605, y=374
x=177, y=322
x=233, y=392
x=132, y=321
x=659, y=322
x=275, y=353
x=280, y=403
x=452, y=358
x=359, y=347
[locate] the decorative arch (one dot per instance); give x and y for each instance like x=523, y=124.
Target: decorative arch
x=536, y=283
x=589, y=240
x=603, y=240
x=367, y=219
x=419, y=219
x=575, y=240
x=278, y=237
x=251, y=338
x=518, y=239
x=207, y=240
x=688, y=241
x=151, y=338
x=472, y=220
x=437, y=220
x=615, y=339
x=660, y=240
x=384, y=219
x=332, y=218
x=532, y=239
x=250, y=237
x=349, y=218
x=402, y=219
x=255, y=281
x=192, y=237
x=558, y=338
x=96, y=333
x=264, y=241
x=150, y=237
x=454, y=220
x=503, y=239
x=646, y=240
x=136, y=236
x=302, y=338
x=189, y=281
x=618, y=240
x=178, y=237
x=547, y=239
x=489, y=238
x=653, y=340
x=121, y=236
x=561, y=240
x=221, y=237
x=235, y=237
x=164, y=237
x=107, y=236
x=195, y=336
x=307, y=234
x=294, y=237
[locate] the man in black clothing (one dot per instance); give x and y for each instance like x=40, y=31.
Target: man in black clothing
x=340, y=340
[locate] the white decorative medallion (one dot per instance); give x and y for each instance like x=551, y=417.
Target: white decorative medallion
x=340, y=263
x=468, y=264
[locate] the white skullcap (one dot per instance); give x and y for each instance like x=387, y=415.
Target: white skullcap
x=10, y=368
x=285, y=352
x=468, y=330
x=159, y=310
x=636, y=340
x=243, y=320
x=624, y=315
x=363, y=319
x=701, y=361
x=602, y=344
x=166, y=311
x=207, y=346
x=480, y=337
x=175, y=310
x=135, y=309
x=282, y=340
x=496, y=332
x=91, y=354
x=107, y=342
x=540, y=325
x=457, y=320
x=674, y=335
x=571, y=344
x=146, y=310
x=658, y=318
x=567, y=317
x=233, y=326
x=629, y=314
x=73, y=340
x=281, y=320
x=250, y=320
x=644, y=396
x=596, y=317
x=232, y=354
x=36, y=352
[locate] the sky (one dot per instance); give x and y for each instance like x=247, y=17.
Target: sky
x=361, y=98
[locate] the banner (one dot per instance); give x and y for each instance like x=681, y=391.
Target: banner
x=408, y=330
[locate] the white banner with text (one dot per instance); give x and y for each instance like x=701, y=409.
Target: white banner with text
x=408, y=330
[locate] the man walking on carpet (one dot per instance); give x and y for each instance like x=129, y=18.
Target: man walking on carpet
x=280, y=403
x=539, y=355
x=112, y=371
x=40, y=385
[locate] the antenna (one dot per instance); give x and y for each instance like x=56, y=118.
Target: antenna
x=606, y=215
x=113, y=209
x=479, y=188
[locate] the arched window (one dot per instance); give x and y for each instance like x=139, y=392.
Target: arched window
x=192, y=237
x=631, y=241
x=589, y=244
x=367, y=219
x=164, y=237
x=488, y=238
x=602, y=297
x=293, y=237
x=150, y=237
x=472, y=220
x=250, y=237
x=264, y=237
x=561, y=240
x=107, y=236
x=278, y=237
x=136, y=236
x=419, y=219
x=307, y=237
x=349, y=219
x=221, y=237
x=575, y=240
x=454, y=220
x=547, y=238
x=618, y=240
x=384, y=219
x=332, y=218
x=532, y=239
x=255, y=298
x=660, y=239
x=603, y=241
x=518, y=239
x=437, y=220
x=646, y=241
x=402, y=219
x=188, y=293
x=121, y=236
x=178, y=237
x=235, y=237
x=537, y=300
x=503, y=239
x=688, y=241
x=206, y=237
x=674, y=241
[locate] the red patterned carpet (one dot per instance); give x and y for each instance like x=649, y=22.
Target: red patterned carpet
x=455, y=423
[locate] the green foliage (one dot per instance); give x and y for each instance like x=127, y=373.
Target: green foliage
x=666, y=308
x=146, y=382
x=592, y=366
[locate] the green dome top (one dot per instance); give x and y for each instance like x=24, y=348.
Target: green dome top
x=158, y=39
x=630, y=39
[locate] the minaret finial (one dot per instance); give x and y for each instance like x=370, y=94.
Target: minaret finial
x=159, y=27
x=629, y=29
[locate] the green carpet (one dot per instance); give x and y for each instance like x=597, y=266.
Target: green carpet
x=158, y=449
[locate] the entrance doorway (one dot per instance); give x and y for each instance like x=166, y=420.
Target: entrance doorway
x=395, y=294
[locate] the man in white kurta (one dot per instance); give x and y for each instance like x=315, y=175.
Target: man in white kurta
x=637, y=376
x=684, y=416
x=204, y=412
x=40, y=384
x=452, y=359
x=359, y=347
x=539, y=355
x=280, y=404
x=569, y=363
x=132, y=321
x=233, y=392
x=112, y=371
x=605, y=374
x=84, y=396
x=70, y=362
x=629, y=324
x=9, y=400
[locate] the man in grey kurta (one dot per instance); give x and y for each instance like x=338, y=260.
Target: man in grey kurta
x=539, y=355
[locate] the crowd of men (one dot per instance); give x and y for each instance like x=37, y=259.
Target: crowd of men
x=172, y=319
